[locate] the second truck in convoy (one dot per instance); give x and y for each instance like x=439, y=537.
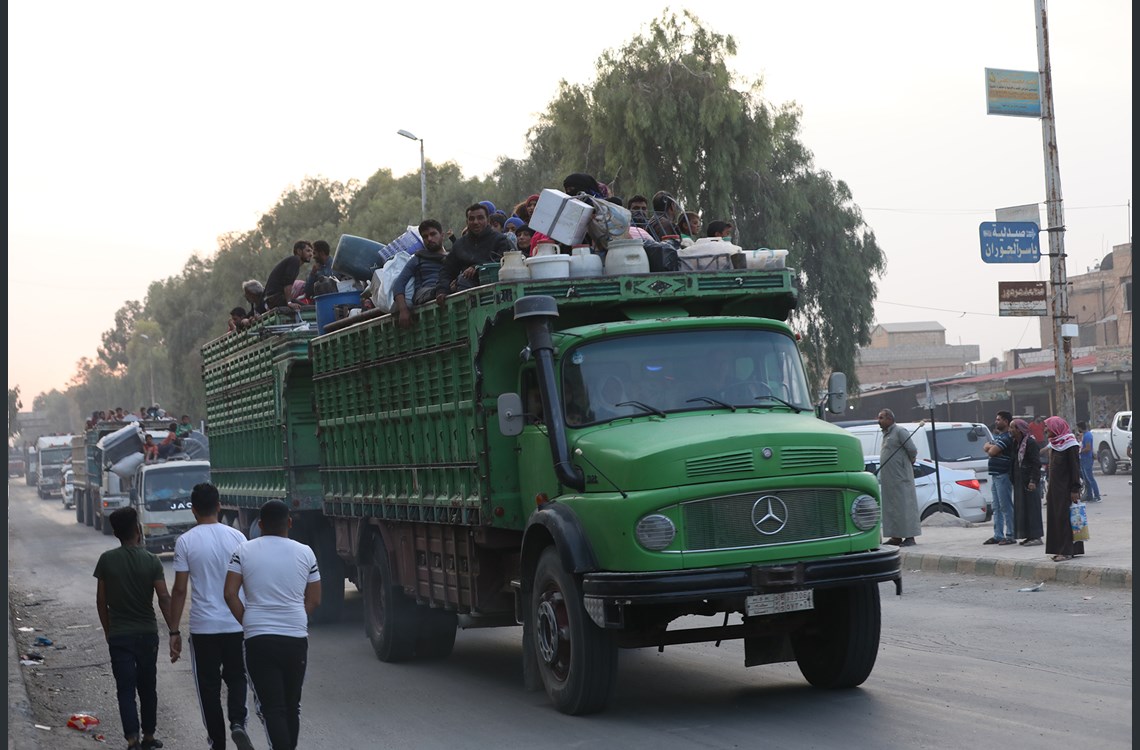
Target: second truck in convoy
x=111, y=473
x=53, y=452
x=593, y=458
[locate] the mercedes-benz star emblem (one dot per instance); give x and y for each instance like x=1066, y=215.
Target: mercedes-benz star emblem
x=769, y=515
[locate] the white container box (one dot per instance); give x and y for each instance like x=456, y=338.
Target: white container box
x=549, y=266
x=765, y=259
x=561, y=217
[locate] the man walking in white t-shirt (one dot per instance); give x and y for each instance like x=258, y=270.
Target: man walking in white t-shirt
x=201, y=557
x=282, y=586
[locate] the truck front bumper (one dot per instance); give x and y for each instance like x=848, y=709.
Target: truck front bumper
x=611, y=595
x=158, y=543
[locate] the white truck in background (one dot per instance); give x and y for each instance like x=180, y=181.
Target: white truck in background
x=160, y=492
x=159, y=489
x=1112, y=446
x=52, y=453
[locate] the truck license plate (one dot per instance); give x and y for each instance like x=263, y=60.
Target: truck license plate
x=774, y=604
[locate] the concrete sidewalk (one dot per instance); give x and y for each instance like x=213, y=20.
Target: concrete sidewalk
x=949, y=545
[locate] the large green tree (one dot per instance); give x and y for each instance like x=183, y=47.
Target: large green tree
x=666, y=112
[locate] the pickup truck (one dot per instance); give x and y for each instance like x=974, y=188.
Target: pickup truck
x=1113, y=445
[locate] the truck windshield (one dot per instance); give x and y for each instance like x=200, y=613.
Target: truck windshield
x=55, y=455
x=170, y=489
x=681, y=371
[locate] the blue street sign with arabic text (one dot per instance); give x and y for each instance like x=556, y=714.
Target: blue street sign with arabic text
x=1010, y=242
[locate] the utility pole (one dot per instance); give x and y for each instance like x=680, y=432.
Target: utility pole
x=1055, y=218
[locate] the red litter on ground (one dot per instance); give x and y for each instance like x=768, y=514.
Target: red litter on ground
x=82, y=722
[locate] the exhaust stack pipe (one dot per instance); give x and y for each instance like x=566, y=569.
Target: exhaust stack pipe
x=536, y=313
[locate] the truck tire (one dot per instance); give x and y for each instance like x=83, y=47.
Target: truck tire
x=436, y=638
x=390, y=619
x=838, y=649
x=331, y=566
x=98, y=522
x=89, y=511
x=80, y=502
x=577, y=660
x=1107, y=460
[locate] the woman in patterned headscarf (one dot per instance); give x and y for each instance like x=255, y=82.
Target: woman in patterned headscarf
x=1025, y=474
x=1064, y=490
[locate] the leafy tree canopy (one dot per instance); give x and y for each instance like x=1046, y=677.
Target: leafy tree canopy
x=14, y=406
x=664, y=112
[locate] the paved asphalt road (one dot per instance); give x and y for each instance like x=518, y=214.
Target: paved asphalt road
x=945, y=547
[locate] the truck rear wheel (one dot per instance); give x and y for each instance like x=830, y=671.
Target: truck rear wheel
x=80, y=504
x=89, y=511
x=1107, y=461
x=389, y=617
x=98, y=520
x=839, y=648
x=436, y=637
x=577, y=660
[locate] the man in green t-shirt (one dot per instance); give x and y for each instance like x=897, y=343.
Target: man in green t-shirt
x=129, y=577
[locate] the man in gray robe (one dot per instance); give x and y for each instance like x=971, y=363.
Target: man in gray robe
x=896, y=480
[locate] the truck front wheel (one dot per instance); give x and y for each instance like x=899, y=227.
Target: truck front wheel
x=389, y=616
x=1107, y=460
x=838, y=649
x=577, y=660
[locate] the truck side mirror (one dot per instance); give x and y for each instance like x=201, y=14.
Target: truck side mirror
x=837, y=393
x=511, y=419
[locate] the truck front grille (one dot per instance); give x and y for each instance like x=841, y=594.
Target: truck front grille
x=809, y=458
x=729, y=463
x=760, y=519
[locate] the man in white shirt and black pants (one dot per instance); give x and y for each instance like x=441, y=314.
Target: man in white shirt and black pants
x=282, y=586
x=201, y=557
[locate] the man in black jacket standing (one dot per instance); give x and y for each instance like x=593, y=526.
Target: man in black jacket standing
x=480, y=244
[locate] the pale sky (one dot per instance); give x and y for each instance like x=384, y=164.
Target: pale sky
x=139, y=132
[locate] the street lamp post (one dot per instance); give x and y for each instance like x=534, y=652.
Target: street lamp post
x=423, y=173
x=152, y=401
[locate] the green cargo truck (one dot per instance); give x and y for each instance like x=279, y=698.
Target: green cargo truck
x=592, y=458
x=263, y=436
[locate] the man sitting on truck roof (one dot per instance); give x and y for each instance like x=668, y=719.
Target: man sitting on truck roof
x=423, y=269
x=479, y=245
x=254, y=293
x=279, y=285
x=171, y=444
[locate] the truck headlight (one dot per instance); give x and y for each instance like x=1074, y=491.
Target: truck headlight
x=865, y=512
x=655, y=532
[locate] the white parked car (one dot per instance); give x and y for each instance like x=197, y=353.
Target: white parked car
x=67, y=488
x=959, y=443
x=961, y=490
